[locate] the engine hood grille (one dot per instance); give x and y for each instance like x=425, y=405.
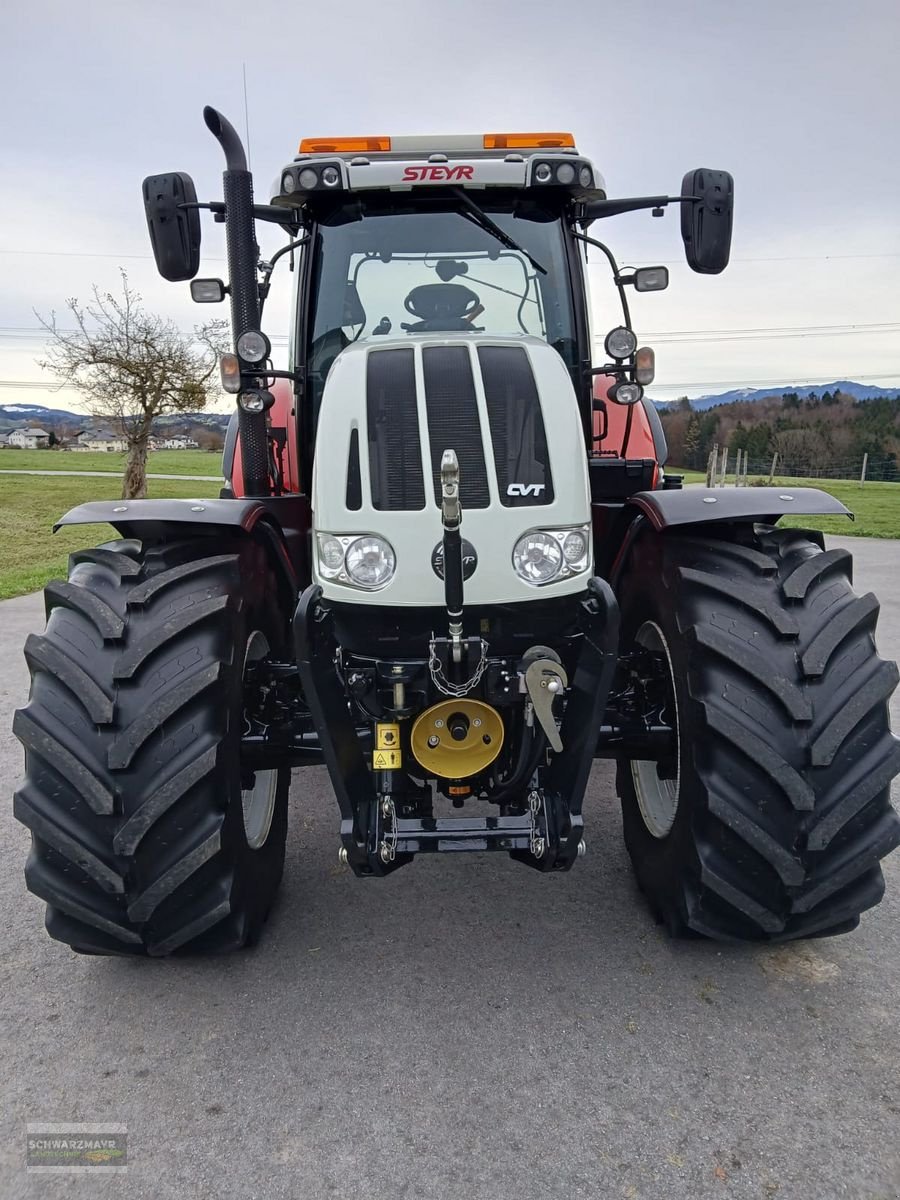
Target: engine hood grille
x=449, y=378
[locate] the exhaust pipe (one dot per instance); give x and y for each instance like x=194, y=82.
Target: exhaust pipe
x=451, y=516
x=240, y=240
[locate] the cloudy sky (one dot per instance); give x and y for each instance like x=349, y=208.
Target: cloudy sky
x=799, y=99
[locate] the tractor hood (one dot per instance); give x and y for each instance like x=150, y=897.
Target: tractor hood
x=505, y=406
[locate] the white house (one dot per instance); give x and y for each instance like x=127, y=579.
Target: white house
x=180, y=443
x=94, y=439
x=30, y=439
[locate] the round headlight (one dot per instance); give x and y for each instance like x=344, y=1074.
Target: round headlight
x=586, y=177
x=256, y=402
x=574, y=546
x=542, y=173
x=253, y=346
x=331, y=176
x=625, y=393
x=537, y=557
x=620, y=342
x=370, y=562
x=288, y=182
x=252, y=402
x=331, y=553
x=309, y=178
x=565, y=174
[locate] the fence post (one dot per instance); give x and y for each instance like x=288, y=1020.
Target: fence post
x=711, y=465
x=738, y=467
x=774, y=465
x=862, y=477
x=724, y=468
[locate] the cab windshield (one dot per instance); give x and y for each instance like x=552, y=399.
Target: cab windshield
x=402, y=270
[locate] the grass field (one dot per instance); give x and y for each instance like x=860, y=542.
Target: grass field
x=163, y=462
x=30, y=553
x=876, y=506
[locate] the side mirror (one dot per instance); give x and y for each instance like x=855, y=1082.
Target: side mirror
x=706, y=220
x=174, y=229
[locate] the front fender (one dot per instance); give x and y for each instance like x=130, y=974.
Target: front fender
x=148, y=520
x=697, y=505
x=131, y=517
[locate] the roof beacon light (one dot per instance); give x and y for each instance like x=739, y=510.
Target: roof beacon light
x=529, y=141
x=345, y=145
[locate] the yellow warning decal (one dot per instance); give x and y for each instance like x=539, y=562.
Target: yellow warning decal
x=387, y=760
x=387, y=737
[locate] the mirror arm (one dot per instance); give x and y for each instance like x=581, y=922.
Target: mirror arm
x=595, y=209
x=262, y=212
x=617, y=276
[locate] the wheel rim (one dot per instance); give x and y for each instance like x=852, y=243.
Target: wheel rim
x=658, y=798
x=258, y=801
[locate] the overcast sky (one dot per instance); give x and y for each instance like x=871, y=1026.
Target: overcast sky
x=799, y=100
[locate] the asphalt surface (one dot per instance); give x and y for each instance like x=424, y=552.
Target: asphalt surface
x=465, y=1028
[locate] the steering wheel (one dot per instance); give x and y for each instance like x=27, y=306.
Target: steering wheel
x=441, y=306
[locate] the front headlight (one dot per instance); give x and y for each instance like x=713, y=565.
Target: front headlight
x=370, y=562
x=363, y=561
x=544, y=555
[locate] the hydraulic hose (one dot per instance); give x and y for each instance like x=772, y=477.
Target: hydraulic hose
x=530, y=750
x=240, y=240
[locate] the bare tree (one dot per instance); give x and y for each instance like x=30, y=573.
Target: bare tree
x=132, y=366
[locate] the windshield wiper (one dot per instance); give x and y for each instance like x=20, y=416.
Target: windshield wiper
x=479, y=217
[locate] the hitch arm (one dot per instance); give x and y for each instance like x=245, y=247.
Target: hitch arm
x=451, y=516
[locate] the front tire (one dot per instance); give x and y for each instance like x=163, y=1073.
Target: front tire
x=148, y=836
x=779, y=813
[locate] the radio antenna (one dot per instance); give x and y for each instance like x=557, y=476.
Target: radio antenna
x=246, y=116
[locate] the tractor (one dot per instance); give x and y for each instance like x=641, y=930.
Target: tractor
x=449, y=564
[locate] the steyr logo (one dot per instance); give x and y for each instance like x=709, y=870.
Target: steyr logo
x=469, y=557
x=436, y=174
x=525, y=489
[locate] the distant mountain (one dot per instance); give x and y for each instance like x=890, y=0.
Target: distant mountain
x=62, y=420
x=859, y=391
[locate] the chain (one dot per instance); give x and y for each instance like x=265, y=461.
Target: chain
x=443, y=684
x=537, y=842
x=388, y=848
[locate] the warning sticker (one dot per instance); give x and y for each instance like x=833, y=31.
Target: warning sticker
x=387, y=737
x=387, y=760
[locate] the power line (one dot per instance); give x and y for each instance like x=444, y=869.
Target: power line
x=802, y=381
x=670, y=336
x=677, y=262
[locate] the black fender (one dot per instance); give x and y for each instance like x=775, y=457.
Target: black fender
x=153, y=519
x=682, y=507
x=697, y=505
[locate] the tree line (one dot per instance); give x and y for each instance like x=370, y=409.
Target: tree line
x=805, y=432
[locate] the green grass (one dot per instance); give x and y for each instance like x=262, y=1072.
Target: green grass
x=30, y=553
x=876, y=506
x=163, y=462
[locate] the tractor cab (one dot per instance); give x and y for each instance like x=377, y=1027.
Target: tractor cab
x=413, y=237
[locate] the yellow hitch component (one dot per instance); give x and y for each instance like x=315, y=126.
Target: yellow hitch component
x=457, y=738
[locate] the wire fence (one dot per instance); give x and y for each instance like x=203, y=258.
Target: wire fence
x=725, y=465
